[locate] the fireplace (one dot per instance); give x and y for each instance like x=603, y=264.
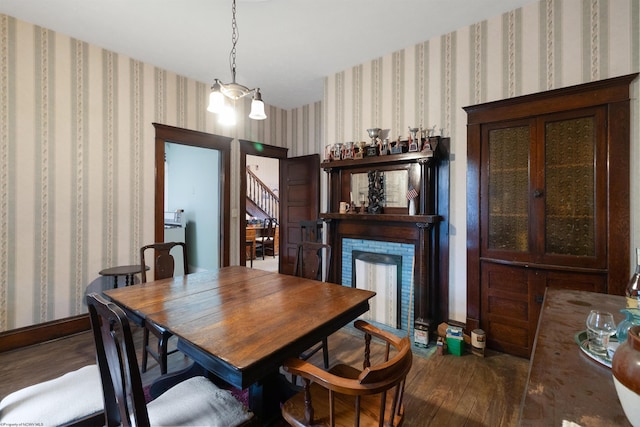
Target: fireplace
x=383, y=267
x=420, y=241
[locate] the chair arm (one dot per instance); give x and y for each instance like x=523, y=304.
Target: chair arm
x=324, y=378
x=372, y=330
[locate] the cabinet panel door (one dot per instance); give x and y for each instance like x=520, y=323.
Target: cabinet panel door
x=507, y=306
x=505, y=190
x=570, y=206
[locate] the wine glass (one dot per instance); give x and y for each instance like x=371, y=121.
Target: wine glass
x=600, y=326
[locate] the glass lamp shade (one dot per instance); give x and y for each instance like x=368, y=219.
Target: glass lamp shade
x=257, y=110
x=216, y=102
x=227, y=117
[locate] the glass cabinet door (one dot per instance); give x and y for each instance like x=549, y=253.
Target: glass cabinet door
x=570, y=190
x=543, y=199
x=506, y=188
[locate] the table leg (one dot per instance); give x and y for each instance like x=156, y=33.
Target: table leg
x=266, y=395
x=115, y=282
x=128, y=279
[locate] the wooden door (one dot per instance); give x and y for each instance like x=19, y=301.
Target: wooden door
x=299, y=201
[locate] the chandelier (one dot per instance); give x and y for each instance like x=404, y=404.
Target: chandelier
x=223, y=95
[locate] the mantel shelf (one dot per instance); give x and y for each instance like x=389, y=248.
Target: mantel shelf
x=376, y=160
x=418, y=219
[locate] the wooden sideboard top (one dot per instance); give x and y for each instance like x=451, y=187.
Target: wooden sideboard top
x=564, y=384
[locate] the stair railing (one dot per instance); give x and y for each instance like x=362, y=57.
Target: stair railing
x=262, y=196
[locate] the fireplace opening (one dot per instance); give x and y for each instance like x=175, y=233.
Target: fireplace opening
x=381, y=273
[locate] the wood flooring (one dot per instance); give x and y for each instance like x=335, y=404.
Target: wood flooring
x=441, y=390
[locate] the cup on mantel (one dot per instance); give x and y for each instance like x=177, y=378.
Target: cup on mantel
x=344, y=207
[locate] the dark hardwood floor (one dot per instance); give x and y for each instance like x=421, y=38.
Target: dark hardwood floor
x=440, y=391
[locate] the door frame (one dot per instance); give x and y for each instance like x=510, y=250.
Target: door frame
x=194, y=138
x=254, y=149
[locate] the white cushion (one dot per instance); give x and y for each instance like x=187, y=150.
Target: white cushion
x=59, y=401
x=197, y=402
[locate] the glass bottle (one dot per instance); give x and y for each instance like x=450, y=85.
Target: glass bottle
x=633, y=287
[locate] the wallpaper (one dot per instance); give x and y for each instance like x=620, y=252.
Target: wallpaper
x=545, y=45
x=77, y=141
x=77, y=162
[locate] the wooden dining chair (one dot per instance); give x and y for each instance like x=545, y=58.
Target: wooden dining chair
x=309, y=264
x=193, y=402
x=164, y=269
x=73, y=399
x=267, y=241
x=347, y=396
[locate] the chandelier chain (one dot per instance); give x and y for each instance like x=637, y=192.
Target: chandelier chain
x=234, y=40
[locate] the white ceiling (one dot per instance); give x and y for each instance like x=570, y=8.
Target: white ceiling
x=286, y=47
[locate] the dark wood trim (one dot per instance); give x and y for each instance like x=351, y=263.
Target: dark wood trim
x=194, y=138
x=43, y=332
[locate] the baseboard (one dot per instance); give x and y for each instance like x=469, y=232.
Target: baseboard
x=43, y=332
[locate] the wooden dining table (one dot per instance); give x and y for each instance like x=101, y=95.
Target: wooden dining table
x=240, y=324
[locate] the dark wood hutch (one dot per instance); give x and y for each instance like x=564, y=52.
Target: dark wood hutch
x=427, y=230
x=547, y=204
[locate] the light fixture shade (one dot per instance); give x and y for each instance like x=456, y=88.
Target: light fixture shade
x=216, y=101
x=227, y=117
x=257, y=110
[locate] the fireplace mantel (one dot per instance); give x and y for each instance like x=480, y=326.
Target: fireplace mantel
x=417, y=219
x=427, y=231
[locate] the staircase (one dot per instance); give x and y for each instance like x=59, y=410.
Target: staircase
x=261, y=201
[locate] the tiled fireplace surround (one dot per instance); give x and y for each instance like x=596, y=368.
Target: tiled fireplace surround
x=404, y=250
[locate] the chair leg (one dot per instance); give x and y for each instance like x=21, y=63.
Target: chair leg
x=163, y=343
x=145, y=352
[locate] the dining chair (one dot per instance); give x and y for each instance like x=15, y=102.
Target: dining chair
x=193, y=402
x=311, y=230
x=164, y=269
x=73, y=399
x=309, y=264
x=347, y=396
x=267, y=241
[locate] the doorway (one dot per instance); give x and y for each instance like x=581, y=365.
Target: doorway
x=262, y=204
x=192, y=138
x=192, y=189
x=264, y=156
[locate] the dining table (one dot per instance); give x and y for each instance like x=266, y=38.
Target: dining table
x=240, y=324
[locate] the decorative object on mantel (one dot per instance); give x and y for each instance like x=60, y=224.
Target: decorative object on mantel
x=347, y=150
x=411, y=196
x=233, y=91
x=360, y=153
x=398, y=146
x=376, y=191
x=374, y=133
x=413, y=139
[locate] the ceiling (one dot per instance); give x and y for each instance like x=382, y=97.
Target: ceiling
x=285, y=47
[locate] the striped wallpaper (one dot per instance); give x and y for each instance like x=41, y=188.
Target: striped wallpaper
x=76, y=140
x=77, y=163
x=545, y=45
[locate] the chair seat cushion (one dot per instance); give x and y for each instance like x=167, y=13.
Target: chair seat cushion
x=73, y=396
x=197, y=402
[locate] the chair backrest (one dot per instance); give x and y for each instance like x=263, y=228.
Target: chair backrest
x=116, y=354
x=311, y=230
x=386, y=378
x=309, y=262
x=165, y=264
x=270, y=227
